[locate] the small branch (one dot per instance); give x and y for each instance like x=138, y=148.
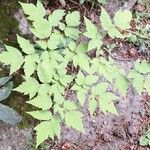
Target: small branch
x=62, y=2
x=140, y=36
x=129, y=5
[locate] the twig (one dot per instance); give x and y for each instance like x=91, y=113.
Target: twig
x=139, y=35
x=62, y=2
x=72, y=1
x=110, y=54
x=129, y=5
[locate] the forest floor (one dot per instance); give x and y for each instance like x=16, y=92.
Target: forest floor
x=103, y=132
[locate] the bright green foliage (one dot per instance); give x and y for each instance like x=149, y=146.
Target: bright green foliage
x=46, y=129
x=110, y=72
x=122, y=84
x=74, y=119
x=41, y=115
x=73, y=19
x=9, y=56
x=68, y=105
x=138, y=80
x=104, y=98
x=30, y=64
x=142, y=67
x=137, y=75
x=82, y=84
x=56, y=17
x=122, y=21
x=145, y=139
x=33, y=12
x=77, y=55
x=92, y=106
x=25, y=45
x=123, y=18
x=106, y=22
x=42, y=101
x=48, y=78
x=38, y=29
x=93, y=34
x=30, y=86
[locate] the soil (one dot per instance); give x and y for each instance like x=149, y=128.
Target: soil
x=108, y=132
x=13, y=138
x=103, y=132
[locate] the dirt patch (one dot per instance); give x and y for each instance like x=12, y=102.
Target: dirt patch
x=103, y=132
x=12, y=138
x=109, y=132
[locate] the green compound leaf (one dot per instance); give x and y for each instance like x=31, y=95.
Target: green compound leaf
x=95, y=43
x=93, y=34
x=90, y=79
x=106, y=22
x=113, y=32
x=80, y=78
x=72, y=46
x=33, y=12
x=24, y=87
x=54, y=40
x=142, y=67
x=91, y=29
x=41, y=115
x=30, y=65
x=74, y=119
x=138, y=80
x=105, y=68
x=122, y=84
x=44, y=88
x=100, y=88
x=58, y=97
x=82, y=60
x=38, y=29
x=145, y=139
x=56, y=17
x=51, y=59
x=42, y=44
x=68, y=105
x=45, y=71
x=25, y=45
x=72, y=32
x=73, y=19
x=106, y=103
x=43, y=131
x=42, y=101
x=123, y=18
x=47, y=129
x=92, y=106
x=81, y=95
x=12, y=57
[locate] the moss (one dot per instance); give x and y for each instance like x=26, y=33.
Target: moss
x=8, y=31
x=17, y=101
x=8, y=24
